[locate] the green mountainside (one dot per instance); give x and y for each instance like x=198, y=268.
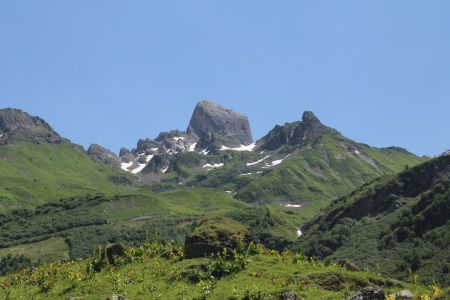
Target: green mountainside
x=399, y=223
x=303, y=187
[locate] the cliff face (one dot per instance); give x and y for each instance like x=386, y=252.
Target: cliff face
x=16, y=125
x=210, y=119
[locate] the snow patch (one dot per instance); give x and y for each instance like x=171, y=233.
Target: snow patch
x=138, y=169
x=192, y=147
x=124, y=166
x=204, y=152
x=1, y=135
x=275, y=162
x=154, y=149
x=164, y=170
x=246, y=174
x=177, y=138
x=291, y=205
x=257, y=162
x=240, y=148
x=299, y=232
x=229, y=192
x=212, y=166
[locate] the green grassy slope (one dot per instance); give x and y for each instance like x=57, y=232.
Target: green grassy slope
x=316, y=174
x=154, y=271
x=32, y=174
x=86, y=221
x=399, y=223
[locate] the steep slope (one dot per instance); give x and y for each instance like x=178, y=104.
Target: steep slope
x=399, y=223
x=309, y=163
x=37, y=165
x=211, y=128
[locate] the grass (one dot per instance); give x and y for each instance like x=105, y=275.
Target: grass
x=144, y=273
x=32, y=174
x=49, y=250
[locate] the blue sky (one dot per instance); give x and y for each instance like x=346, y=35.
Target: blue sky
x=111, y=72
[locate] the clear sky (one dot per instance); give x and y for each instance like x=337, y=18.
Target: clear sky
x=111, y=72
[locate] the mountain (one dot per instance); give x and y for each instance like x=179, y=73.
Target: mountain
x=211, y=128
x=17, y=126
x=212, y=124
x=37, y=165
x=398, y=223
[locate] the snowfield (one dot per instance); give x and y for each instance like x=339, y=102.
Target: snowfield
x=257, y=162
x=241, y=148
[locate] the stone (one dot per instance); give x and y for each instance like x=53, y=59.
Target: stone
x=369, y=294
x=289, y=296
x=213, y=236
x=116, y=297
x=17, y=126
x=113, y=251
x=402, y=295
x=211, y=118
x=103, y=155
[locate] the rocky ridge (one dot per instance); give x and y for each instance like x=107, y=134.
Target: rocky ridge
x=16, y=126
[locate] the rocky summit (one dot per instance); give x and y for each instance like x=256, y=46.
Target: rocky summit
x=210, y=118
x=298, y=133
x=103, y=155
x=16, y=125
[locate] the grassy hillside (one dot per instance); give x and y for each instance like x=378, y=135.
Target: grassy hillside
x=73, y=227
x=155, y=271
x=32, y=174
x=327, y=169
x=399, y=223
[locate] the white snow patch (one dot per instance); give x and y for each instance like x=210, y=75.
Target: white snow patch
x=257, y=162
x=240, y=148
x=204, y=152
x=192, y=147
x=177, y=138
x=246, y=174
x=299, y=232
x=149, y=158
x=291, y=205
x=357, y=152
x=138, y=169
x=154, y=149
x=164, y=170
x=275, y=162
x=1, y=135
x=229, y=192
x=212, y=166
x=124, y=166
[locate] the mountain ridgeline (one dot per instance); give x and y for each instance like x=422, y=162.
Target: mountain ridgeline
x=302, y=186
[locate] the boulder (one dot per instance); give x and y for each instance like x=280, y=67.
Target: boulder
x=369, y=294
x=213, y=236
x=289, y=296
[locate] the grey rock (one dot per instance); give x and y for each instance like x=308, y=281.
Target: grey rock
x=298, y=133
x=116, y=297
x=103, y=155
x=369, y=294
x=16, y=126
x=403, y=295
x=210, y=118
x=289, y=296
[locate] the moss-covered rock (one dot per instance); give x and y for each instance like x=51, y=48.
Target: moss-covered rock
x=213, y=236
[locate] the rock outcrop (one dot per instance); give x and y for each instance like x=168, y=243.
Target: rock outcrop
x=213, y=236
x=103, y=155
x=17, y=126
x=210, y=119
x=298, y=133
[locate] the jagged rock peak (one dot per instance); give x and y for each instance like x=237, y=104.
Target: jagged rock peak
x=103, y=155
x=12, y=119
x=310, y=117
x=17, y=125
x=298, y=133
x=210, y=118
